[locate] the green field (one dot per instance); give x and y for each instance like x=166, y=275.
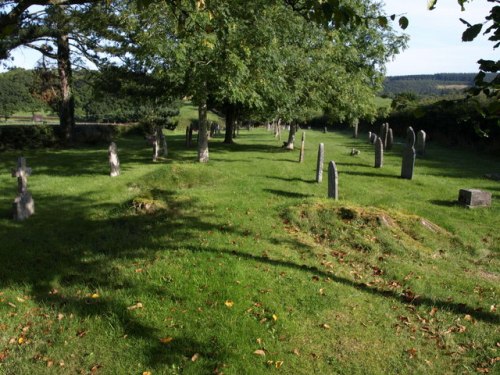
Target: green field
x=243, y=266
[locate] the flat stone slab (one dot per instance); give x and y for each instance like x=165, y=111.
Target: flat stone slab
x=472, y=198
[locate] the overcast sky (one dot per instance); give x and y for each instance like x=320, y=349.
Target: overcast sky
x=436, y=37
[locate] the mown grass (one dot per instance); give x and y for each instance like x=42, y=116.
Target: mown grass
x=243, y=266
x=188, y=112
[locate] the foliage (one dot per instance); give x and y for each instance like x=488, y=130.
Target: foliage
x=15, y=95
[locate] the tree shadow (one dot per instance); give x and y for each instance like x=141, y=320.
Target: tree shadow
x=370, y=174
x=444, y=203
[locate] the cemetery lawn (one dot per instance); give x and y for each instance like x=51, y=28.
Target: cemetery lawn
x=242, y=266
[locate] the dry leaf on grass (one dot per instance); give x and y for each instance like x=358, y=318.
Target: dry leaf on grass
x=166, y=340
x=260, y=352
x=229, y=304
x=138, y=305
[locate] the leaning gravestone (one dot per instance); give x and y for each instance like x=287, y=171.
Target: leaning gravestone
x=319, y=165
x=24, y=205
x=373, y=139
x=302, y=145
x=421, y=137
x=114, y=163
x=379, y=153
x=472, y=198
x=409, y=154
x=390, y=139
x=333, y=181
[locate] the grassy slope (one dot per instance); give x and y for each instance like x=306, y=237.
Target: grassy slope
x=245, y=254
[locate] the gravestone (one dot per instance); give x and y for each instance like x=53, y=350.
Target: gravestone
x=369, y=137
x=421, y=137
x=373, y=138
x=385, y=134
x=379, y=153
x=187, y=136
x=24, y=205
x=302, y=145
x=472, y=198
x=325, y=130
x=390, y=139
x=156, y=146
x=114, y=163
x=319, y=165
x=355, y=125
x=409, y=154
x=333, y=181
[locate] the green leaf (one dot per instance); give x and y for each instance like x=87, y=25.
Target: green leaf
x=431, y=4
x=403, y=22
x=382, y=21
x=471, y=32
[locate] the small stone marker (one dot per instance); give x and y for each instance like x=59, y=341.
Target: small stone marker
x=373, y=139
x=409, y=154
x=421, y=136
x=325, y=130
x=302, y=145
x=333, y=181
x=114, y=163
x=390, y=139
x=319, y=165
x=472, y=198
x=379, y=153
x=24, y=205
x=385, y=134
x=369, y=137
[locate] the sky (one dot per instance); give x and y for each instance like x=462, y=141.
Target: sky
x=435, y=39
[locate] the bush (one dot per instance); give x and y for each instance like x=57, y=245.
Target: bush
x=27, y=136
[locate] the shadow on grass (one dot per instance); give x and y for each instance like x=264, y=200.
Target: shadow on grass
x=292, y=179
x=444, y=203
x=370, y=174
x=456, y=308
x=288, y=194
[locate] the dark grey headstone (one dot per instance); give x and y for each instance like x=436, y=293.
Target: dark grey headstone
x=472, y=198
x=319, y=165
x=379, y=153
x=421, y=137
x=24, y=205
x=333, y=181
x=390, y=140
x=409, y=154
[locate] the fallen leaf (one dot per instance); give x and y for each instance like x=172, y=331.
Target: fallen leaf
x=325, y=326
x=278, y=364
x=20, y=340
x=493, y=308
x=12, y=305
x=483, y=370
x=229, y=304
x=95, y=295
x=81, y=333
x=61, y=363
x=412, y=353
x=195, y=357
x=60, y=316
x=94, y=368
x=296, y=352
x=50, y=363
x=259, y=341
x=260, y=352
x=146, y=373
x=433, y=311
x=166, y=340
x=138, y=305
x=322, y=291
x=19, y=299
x=469, y=318
x=275, y=317
x=139, y=270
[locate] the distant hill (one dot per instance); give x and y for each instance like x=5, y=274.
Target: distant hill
x=428, y=84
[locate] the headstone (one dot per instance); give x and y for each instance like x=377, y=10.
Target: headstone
x=302, y=145
x=190, y=136
x=333, y=181
x=379, y=153
x=373, y=138
x=385, y=135
x=319, y=165
x=390, y=140
x=156, y=147
x=187, y=136
x=114, y=163
x=421, y=137
x=24, y=205
x=369, y=137
x=472, y=198
x=325, y=130
x=409, y=154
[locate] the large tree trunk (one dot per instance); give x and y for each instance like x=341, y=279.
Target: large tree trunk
x=202, y=133
x=67, y=106
x=291, y=137
x=230, y=119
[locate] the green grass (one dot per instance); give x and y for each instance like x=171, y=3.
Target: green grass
x=188, y=112
x=245, y=254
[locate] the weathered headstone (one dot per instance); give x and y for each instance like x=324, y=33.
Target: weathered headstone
x=421, y=137
x=369, y=137
x=325, y=130
x=409, y=154
x=114, y=163
x=333, y=181
x=390, y=139
x=379, y=153
x=302, y=146
x=472, y=198
x=319, y=165
x=24, y=205
x=373, y=138
x=385, y=134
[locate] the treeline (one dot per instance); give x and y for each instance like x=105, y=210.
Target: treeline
x=429, y=84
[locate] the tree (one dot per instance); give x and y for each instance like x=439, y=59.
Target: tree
x=15, y=92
